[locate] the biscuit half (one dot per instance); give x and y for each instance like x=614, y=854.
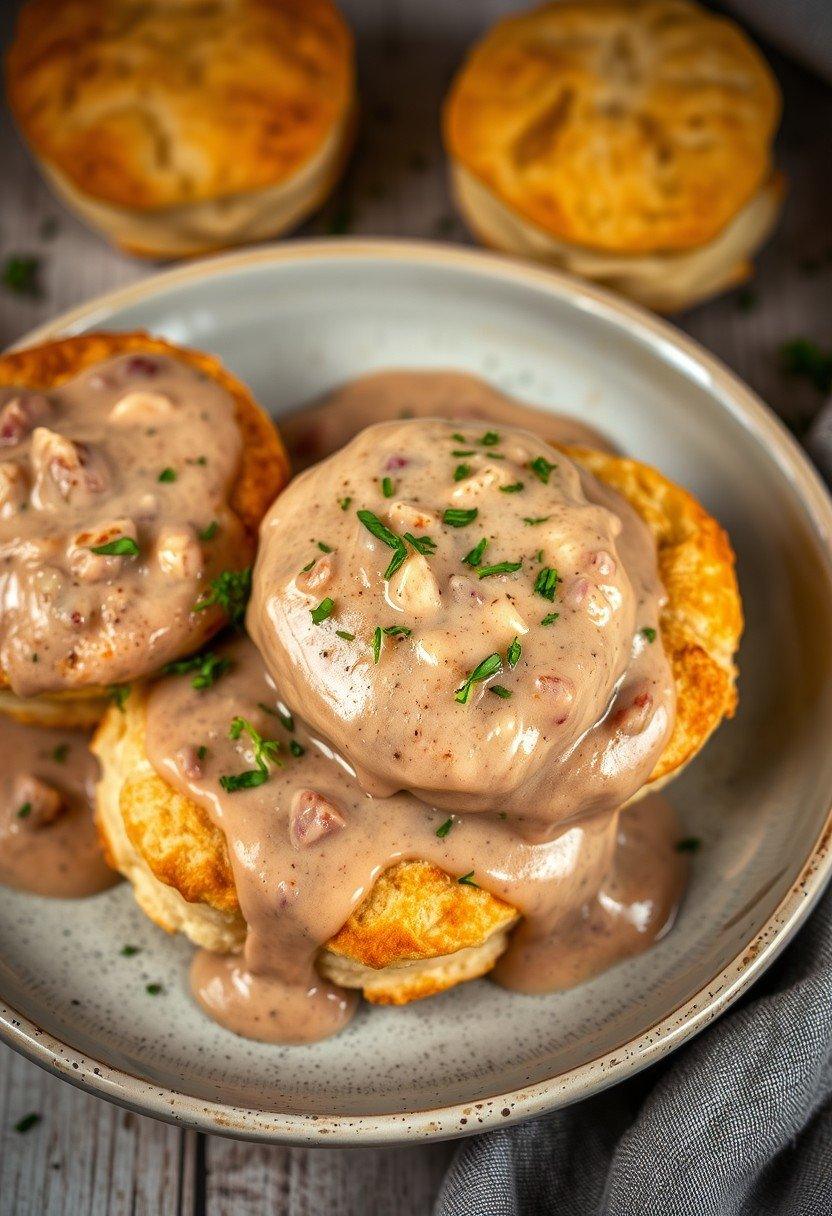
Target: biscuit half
x=178, y=129
x=262, y=474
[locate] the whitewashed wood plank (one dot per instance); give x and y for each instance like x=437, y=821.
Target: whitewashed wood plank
x=84, y=1155
x=248, y=1179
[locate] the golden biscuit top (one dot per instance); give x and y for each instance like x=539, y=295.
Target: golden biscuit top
x=620, y=125
x=155, y=104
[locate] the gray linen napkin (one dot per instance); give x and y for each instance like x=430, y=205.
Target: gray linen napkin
x=737, y=1123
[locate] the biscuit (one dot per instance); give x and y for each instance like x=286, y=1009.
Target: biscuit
x=178, y=129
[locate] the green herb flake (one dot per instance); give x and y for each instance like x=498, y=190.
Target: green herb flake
x=345, y=634
x=167, y=474
x=210, y=531
x=324, y=548
x=296, y=749
x=397, y=631
x=483, y=671
x=425, y=545
x=689, y=844
x=21, y=274
x=458, y=517
x=444, y=828
x=323, y=611
x=154, y=989
x=344, y=503
x=208, y=667
x=386, y=535
x=541, y=468
x=118, y=694
x=532, y=521
x=467, y=880
x=499, y=568
x=550, y=618
x=24, y=811
x=546, y=583
x=649, y=633
x=229, y=591
x=474, y=557
x=489, y=439
x=500, y=690
x=27, y=1123
x=201, y=752
x=801, y=357
x=122, y=546
x=463, y=452
x=387, y=487
x=376, y=643
x=461, y=472
x=514, y=488
x=60, y=753
x=459, y=438
x=513, y=653
x=286, y=719
x=265, y=753
x=129, y=951
x=308, y=566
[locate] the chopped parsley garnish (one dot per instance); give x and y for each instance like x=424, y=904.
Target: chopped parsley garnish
x=550, y=618
x=391, y=631
x=541, y=468
x=801, y=357
x=489, y=439
x=532, y=520
x=499, y=568
x=345, y=634
x=458, y=517
x=513, y=653
x=60, y=753
x=387, y=487
x=201, y=752
x=167, y=474
x=265, y=753
x=500, y=691
x=296, y=749
x=422, y=544
x=344, y=503
x=649, y=633
x=230, y=591
x=461, y=472
x=286, y=719
x=210, y=532
x=463, y=452
x=377, y=640
x=21, y=274
x=512, y=489
x=546, y=583
x=308, y=566
x=397, y=631
x=118, y=694
x=444, y=828
x=122, y=546
x=483, y=671
x=689, y=844
x=474, y=558
x=208, y=666
x=323, y=611
x=459, y=438
x=24, y=811
x=381, y=532
x=467, y=880
x=324, y=548
x=128, y=951
x=154, y=989
x=27, y=1123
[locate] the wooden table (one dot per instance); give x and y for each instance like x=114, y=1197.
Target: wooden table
x=86, y=1156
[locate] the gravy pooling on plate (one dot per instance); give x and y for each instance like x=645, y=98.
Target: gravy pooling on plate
x=113, y=519
x=306, y=844
x=48, y=842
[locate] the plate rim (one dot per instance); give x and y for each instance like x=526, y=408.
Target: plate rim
x=680, y=1024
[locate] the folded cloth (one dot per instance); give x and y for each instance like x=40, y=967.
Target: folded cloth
x=736, y=1123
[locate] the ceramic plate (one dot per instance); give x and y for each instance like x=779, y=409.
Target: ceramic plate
x=292, y=321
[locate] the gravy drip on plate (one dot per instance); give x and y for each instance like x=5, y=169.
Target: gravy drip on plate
x=506, y=659
x=48, y=843
x=322, y=427
x=135, y=455
x=307, y=845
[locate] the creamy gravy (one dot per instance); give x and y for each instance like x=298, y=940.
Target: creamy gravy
x=322, y=427
x=140, y=450
x=584, y=698
x=48, y=843
x=308, y=844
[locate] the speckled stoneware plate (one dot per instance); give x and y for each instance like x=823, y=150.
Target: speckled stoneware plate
x=292, y=321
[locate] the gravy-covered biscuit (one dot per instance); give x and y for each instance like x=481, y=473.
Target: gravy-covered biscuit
x=626, y=140
x=180, y=128
x=133, y=476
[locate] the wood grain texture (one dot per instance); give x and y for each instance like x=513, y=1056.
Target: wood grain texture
x=85, y=1156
